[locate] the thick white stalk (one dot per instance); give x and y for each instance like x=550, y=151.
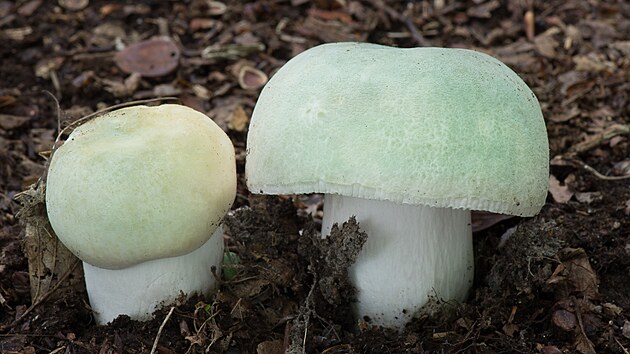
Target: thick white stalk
x=412, y=253
x=139, y=290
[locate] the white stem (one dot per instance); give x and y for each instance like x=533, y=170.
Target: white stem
x=141, y=289
x=412, y=253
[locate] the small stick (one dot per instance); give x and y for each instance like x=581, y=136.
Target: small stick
x=597, y=139
x=45, y=296
x=90, y=116
x=581, y=326
x=415, y=32
x=592, y=170
x=159, y=333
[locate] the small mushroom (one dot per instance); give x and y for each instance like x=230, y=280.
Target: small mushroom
x=138, y=194
x=408, y=141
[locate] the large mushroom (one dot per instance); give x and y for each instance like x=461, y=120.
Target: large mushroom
x=408, y=141
x=138, y=194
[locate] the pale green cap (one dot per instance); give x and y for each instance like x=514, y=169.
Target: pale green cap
x=140, y=183
x=434, y=126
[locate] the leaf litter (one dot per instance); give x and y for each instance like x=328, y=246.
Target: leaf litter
x=558, y=283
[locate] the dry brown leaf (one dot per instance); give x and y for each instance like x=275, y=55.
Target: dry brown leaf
x=593, y=64
x=580, y=276
x=239, y=119
x=588, y=197
x=250, y=288
x=482, y=220
x=125, y=88
x=573, y=37
x=151, y=58
x=565, y=320
x=9, y=121
x=201, y=92
x=207, y=8
x=546, y=44
x=622, y=46
x=483, y=10
x=270, y=347
x=584, y=345
x=74, y=5
x=560, y=193
x=565, y=114
x=29, y=8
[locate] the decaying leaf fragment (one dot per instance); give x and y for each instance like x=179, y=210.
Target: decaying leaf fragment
x=151, y=58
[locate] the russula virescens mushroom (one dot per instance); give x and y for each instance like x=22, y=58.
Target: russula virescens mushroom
x=138, y=194
x=409, y=141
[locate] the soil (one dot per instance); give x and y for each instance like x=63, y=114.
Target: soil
x=555, y=283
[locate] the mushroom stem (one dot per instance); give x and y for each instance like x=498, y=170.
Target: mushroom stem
x=139, y=290
x=413, y=252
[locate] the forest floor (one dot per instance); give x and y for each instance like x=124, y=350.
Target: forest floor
x=555, y=283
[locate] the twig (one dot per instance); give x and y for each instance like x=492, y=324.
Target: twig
x=159, y=333
x=231, y=51
x=590, y=169
x=45, y=296
x=415, y=33
x=621, y=345
x=581, y=324
x=97, y=113
x=597, y=139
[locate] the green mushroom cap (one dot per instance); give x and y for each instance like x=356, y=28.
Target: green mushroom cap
x=140, y=183
x=433, y=126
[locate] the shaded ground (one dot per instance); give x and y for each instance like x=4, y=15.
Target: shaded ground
x=559, y=283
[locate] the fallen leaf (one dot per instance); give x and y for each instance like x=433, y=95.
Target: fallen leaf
x=579, y=275
x=565, y=114
x=560, y=193
x=593, y=64
x=197, y=24
x=125, y=88
x=9, y=121
x=565, y=320
x=573, y=37
x=622, y=46
x=207, y=8
x=201, y=92
x=622, y=168
x=482, y=220
x=29, y=8
x=550, y=349
x=583, y=344
x=483, y=10
x=239, y=119
x=5, y=8
x=588, y=197
x=164, y=90
x=270, y=347
x=509, y=329
x=151, y=58
x=7, y=100
x=546, y=44
x=74, y=5
x=18, y=34
x=330, y=15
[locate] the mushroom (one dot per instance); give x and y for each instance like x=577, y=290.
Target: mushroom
x=138, y=194
x=408, y=141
